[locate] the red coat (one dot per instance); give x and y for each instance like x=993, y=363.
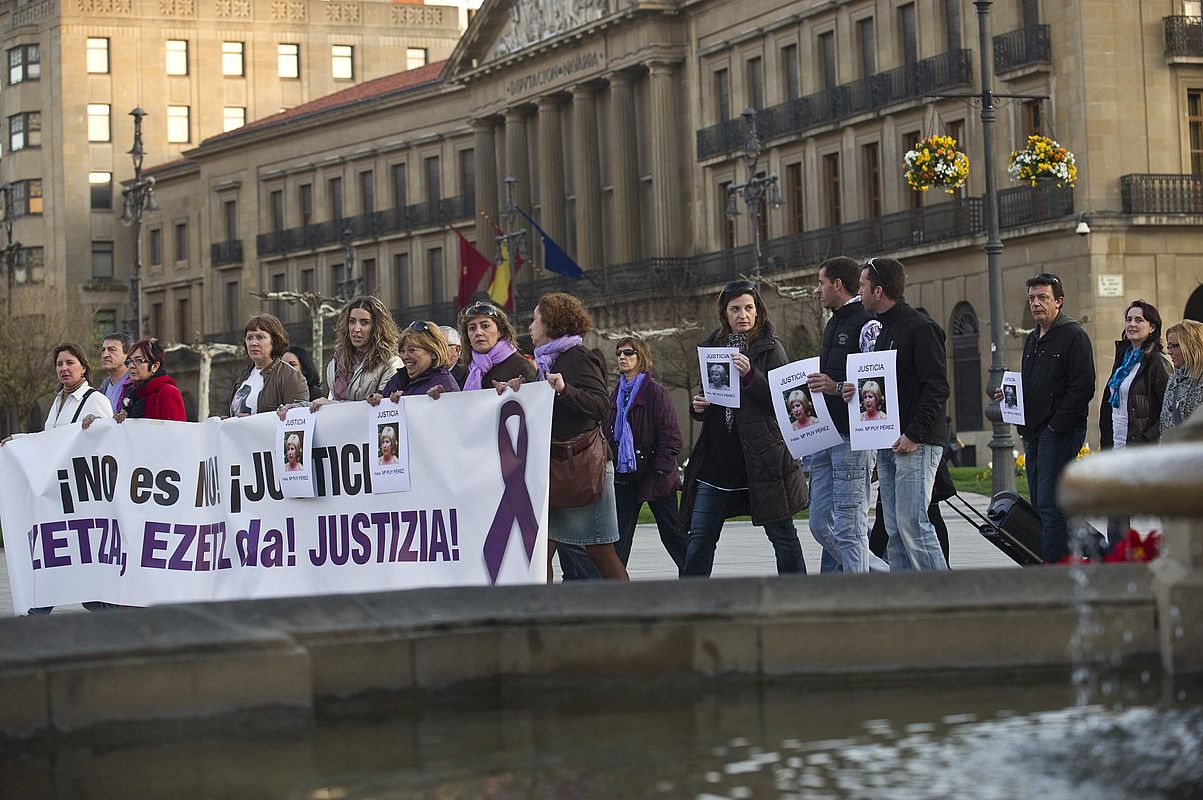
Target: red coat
x=163, y=399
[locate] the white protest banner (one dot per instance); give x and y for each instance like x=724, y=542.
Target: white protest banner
x=720, y=379
x=873, y=411
x=1012, y=401
x=390, y=456
x=804, y=420
x=294, y=439
x=163, y=512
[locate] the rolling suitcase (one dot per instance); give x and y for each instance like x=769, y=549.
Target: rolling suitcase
x=1014, y=527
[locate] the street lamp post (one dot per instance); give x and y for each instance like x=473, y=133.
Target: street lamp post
x=514, y=238
x=754, y=188
x=139, y=197
x=348, y=287
x=12, y=249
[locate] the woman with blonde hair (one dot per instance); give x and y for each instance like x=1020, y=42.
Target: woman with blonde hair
x=388, y=445
x=365, y=352
x=800, y=409
x=292, y=453
x=1184, y=392
x=873, y=401
x=425, y=365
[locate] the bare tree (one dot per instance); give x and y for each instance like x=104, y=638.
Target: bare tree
x=27, y=336
x=206, y=351
x=320, y=309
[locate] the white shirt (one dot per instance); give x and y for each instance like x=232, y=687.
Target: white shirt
x=97, y=405
x=1119, y=416
x=246, y=399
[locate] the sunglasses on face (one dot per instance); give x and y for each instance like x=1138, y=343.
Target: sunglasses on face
x=482, y=309
x=626, y=351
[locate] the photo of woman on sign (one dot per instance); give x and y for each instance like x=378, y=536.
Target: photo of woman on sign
x=292, y=452
x=388, y=445
x=872, y=399
x=719, y=375
x=801, y=408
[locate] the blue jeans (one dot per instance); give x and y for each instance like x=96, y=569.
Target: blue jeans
x=906, y=486
x=839, y=505
x=710, y=507
x=664, y=509
x=1045, y=456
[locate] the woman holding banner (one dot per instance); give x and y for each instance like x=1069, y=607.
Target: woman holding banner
x=580, y=408
x=365, y=352
x=267, y=383
x=645, y=438
x=151, y=392
x=425, y=365
x=740, y=462
x=492, y=355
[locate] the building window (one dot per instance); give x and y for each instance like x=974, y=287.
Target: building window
x=369, y=276
x=231, y=59
x=305, y=196
x=793, y=196
x=30, y=266
x=102, y=259
x=914, y=197
x=1032, y=118
x=230, y=215
x=233, y=117
x=826, y=53
x=401, y=278
x=1194, y=122
x=871, y=158
x=908, y=32
x=308, y=280
x=722, y=95
x=831, y=187
x=726, y=221
x=101, y=186
x=288, y=60
x=181, y=241
x=342, y=62
x=156, y=246
x=400, y=195
x=24, y=63
x=367, y=192
x=178, y=127
x=99, y=129
x=467, y=174
x=755, y=77
x=334, y=188
x=233, y=311
x=104, y=320
x=434, y=183
x=24, y=198
x=276, y=202
x=177, y=57
x=952, y=24
x=97, y=55
x=183, y=320
x=789, y=72
x=415, y=57
x=434, y=264
x=25, y=130
x=866, y=42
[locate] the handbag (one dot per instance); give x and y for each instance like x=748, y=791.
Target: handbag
x=577, y=470
x=943, y=488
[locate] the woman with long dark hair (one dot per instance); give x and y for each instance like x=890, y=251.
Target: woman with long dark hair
x=299, y=359
x=740, y=463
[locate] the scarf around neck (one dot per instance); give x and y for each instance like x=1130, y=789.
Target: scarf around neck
x=342, y=380
x=545, y=354
x=1131, y=360
x=739, y=341
x=627, y=391
x=483, y=363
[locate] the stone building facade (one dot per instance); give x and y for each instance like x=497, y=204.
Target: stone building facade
x=621, y=122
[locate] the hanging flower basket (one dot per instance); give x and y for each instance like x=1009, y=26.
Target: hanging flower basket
x=1044, y=159
x=936, y=161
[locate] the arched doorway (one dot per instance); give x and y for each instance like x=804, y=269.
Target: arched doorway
x=966, y=369
x=1194, y=306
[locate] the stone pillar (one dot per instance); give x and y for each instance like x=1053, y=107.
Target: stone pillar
x=587, y=176
x=517, y=165
x=666, y=172
x=486, y=183
x=551, y=169
x=624, y=170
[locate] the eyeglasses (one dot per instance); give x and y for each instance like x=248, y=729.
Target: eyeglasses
x=130, y=362
x=481, y=309
x=419, y=326
x=626, y=351
x=739, y=287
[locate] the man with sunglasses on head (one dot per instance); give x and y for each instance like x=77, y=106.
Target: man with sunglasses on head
x=907, y=469
x=1058, y=385
x=839, y=475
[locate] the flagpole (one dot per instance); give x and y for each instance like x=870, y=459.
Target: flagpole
x=513, y=240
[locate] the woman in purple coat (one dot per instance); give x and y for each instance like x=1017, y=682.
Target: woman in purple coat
x=425, y=365
x=645, y=439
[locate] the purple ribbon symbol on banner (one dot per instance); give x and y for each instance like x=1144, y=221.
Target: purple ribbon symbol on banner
x=515, y=502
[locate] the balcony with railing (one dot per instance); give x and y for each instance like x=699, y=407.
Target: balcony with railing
x=1183, y=37
x=1161, y=194
x=1021, y=48
x=908, y=82
x=367, y=226
x=223, y=253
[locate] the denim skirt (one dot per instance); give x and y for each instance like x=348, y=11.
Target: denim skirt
x=592, y=524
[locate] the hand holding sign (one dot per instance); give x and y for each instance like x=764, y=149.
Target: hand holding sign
x=801, y=413
x=1012, y=398
x=720, y=375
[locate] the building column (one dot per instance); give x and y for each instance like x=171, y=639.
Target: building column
x=551, y=169
x=587, y=178
x=624, y=171
x=517, y=166
x=486, y=182
x=666, y=172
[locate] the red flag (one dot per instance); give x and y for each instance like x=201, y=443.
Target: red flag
x=472, y=267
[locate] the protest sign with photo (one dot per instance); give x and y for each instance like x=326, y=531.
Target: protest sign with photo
x=804, y=419
x=390, y=459
x=873, y=410
x=294, y=438
x=720, y=378
x=1012, y=400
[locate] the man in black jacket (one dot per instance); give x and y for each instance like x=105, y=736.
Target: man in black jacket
x=1058, y=385
x=839, y=475
x=907, y=469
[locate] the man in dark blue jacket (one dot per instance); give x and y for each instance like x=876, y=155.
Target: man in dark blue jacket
x=907, y=469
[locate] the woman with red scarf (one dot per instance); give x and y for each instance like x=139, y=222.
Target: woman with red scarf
x=151, y=392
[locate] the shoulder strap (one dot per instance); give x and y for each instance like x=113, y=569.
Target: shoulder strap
x=82, y=401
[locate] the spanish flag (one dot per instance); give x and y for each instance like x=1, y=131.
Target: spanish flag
x=501, y=290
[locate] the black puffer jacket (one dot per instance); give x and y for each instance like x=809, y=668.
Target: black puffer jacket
x=922, y=371
x=1145, y=399
x=776, y=488
x=1058, y=378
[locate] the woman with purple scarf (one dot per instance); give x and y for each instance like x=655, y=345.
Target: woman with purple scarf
x=492, y=355
x=581, y=405
x=645, y=438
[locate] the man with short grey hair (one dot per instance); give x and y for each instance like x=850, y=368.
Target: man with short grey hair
x=113, y=348
x=459, y=371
